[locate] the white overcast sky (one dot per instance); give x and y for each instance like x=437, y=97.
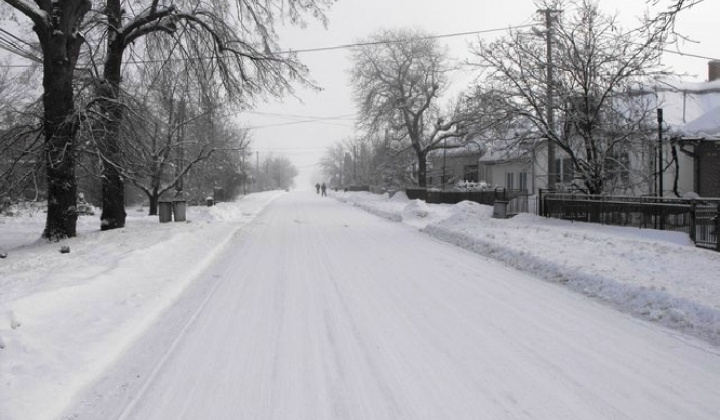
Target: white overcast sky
x=352, y=20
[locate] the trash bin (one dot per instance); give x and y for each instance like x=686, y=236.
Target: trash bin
x=165, y=211
x=179, y=207
x=209, y=201
x=500, y=209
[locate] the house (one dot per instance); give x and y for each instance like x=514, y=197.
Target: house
x=690, y=139
x=699, y=142
x=691, y=113
x=447, y=167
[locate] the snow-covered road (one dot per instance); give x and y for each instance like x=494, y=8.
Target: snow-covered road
x=322, y=311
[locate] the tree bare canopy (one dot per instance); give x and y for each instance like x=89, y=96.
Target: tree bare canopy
x=599, y=125
x=174, y=132
x=399, y=78
x=664, y=21
x=365, y=161
x=231, y=44
x=233, y=40
x=20, y=139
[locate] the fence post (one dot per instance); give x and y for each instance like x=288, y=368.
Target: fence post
x=540, y=203
x=693, y=220
x=662, y=211
x=717, y=228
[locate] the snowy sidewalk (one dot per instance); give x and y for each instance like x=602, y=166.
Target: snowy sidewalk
x=65, y=317
x=655, y=275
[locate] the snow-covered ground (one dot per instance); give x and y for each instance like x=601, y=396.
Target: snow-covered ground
x=66, y=318
x=656, y=275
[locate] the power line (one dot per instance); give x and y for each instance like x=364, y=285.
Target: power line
x=347, y=117
x=315, y=120
x=28, y=56
x=689, y=55
x=333, y=47
x=396, y=41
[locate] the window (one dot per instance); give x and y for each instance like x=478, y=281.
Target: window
x=563, y=171
x=471, y=173
x=522, y=181
x=510, y=181
x=482, y=172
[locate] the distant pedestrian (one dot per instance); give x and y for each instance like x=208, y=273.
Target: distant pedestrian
x=324, y=189
x=317, y=187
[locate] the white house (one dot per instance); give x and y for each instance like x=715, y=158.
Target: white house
x=690, y=139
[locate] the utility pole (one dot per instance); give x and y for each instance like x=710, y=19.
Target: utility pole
x=660, y=152
x=549, y=19
x=245, y=172
x=355, y=177
x=443, y=170
x=179, y=182
x=660, y=163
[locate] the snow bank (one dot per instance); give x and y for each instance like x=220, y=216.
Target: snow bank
x=400, y=197
x=64, y=318
x=655, y=275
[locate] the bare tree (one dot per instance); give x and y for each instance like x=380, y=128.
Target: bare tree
x=174, y=133
x=331, y=165
x=367, y=161
x=282, y=172
x=665, y=19
x=20, y=139
x=238, y=44
x=232, y=40
x=399, y=78
x=275, y=172
x=348, y=162
x=57, y=25
x=599, y=126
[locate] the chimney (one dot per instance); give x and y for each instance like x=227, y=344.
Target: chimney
x=713, y=70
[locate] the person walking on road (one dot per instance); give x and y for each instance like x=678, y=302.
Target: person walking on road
x=324, y=190
x=317, y=188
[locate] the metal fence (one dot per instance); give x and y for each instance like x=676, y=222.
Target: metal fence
x=698, y=218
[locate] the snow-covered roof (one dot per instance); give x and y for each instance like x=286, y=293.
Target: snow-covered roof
x=504, y=155
x=706, y=126
x=682, y=102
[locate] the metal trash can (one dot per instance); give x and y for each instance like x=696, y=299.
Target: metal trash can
x=500, y=209
x=209, y=201
x=165, y=211
x=179, y=207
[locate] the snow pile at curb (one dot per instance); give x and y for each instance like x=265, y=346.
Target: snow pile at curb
x=369, y=202
x=655, y=275
x=45, y=293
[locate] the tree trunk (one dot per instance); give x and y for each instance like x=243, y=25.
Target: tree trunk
x=154, y=198
x=113, y=188
x=61, y=47
x=422, y=169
